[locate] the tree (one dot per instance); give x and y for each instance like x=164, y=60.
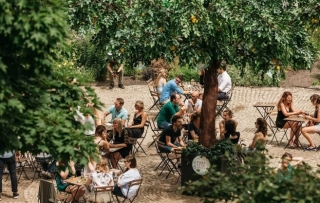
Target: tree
x=37, y=98
x=266, y=35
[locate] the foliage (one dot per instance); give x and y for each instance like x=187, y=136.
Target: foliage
x=256, y=182
x=221, y=148
x=36, y=96
x=187, y=72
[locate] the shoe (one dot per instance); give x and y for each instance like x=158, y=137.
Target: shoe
x=121, y=86
x=15, y=195
x=311, y=148
x=111, y=86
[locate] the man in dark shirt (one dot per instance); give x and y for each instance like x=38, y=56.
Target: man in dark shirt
x=171, y=133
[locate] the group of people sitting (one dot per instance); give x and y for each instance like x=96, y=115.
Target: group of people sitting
x=286, y=109
x=100, y=175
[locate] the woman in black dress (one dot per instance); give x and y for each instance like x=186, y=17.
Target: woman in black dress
x=139, y=119
x=286, y=109
x=120, y=138
x=230, y=131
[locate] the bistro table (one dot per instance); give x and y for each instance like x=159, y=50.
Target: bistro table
x=78, y=181
x=300, y=120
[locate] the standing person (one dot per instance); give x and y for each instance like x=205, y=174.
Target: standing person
x=314, y=122
x=139, y=119
x=226, y=115
x=171, y=136
x=117, y=111
x=121, y=140
x=160, y=81
x=115, y=70
x=131, y=173
x=288, y=163
x=224, y=81
x=168, y=110
x=9, y=158
x=194, y=104
x=286, y=109
x=171, y=87
x=260, y=134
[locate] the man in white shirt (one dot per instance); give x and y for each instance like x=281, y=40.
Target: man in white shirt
x=193, y=104
x=224, y=81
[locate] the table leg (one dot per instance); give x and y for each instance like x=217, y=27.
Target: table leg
x=294, y=132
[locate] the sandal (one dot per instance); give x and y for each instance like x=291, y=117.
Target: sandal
x=311, y=148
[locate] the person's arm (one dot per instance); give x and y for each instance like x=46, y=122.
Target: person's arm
x=108, y=111
x=296, y=161
x=105, y=145
x=163, y=81
x=168, y=142
x=254, y=141
x=311, y=118
x=73, y=169
x=109, y=68
x=64, y=174
x=182, y=144
x=124, y=179
x=285, y=113
x=143, y=121
x=222, y=85
x=194, y=135
x=221, y=127
x=120, y=68
x=181, y=111
x=198, y=107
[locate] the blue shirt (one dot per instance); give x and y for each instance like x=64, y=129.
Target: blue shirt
x=169, y=88
x=123, y=113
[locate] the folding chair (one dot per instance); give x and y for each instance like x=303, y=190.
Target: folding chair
x=223, y=103
x=154, y=129
x=274, y=129
x=103, y=190
x=48, y=194
x=21, y=162
x=134, y=183
x=140, y=140
x=37, y=163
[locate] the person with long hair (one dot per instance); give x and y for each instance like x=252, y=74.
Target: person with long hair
x=160, y=81
x=121, y=188
x=103, y=145
x=260, y=134
x=230, y=131
x=314, y=122
x=226, y=115
x=101, y=176
x=286, y=109
x=139, y=119
x=288, y=163
x=121, y=140
x=194, y=126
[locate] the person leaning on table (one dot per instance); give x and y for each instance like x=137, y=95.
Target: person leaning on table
x=121, y=188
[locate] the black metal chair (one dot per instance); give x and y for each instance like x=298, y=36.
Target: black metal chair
x=222, y=104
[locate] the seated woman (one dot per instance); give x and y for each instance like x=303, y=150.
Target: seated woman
x=139, y=119
x=121, y=139
x=286, y=109
x=193, y=127
x=102, y=145
x=160, y=81
x=100, y=177
x=230, y=128
x=226, y=115
x=284, y=170
x=121, y=188
x=314, y=122
x=64, y=172
x=260, y=134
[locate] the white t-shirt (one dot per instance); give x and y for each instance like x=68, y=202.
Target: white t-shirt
x=224, y=82
x=197, y=105
x=130, y=175
x=87, y=121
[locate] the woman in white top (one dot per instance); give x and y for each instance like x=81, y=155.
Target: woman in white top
x=100, y=177
x=131, y=173
x=160, y=81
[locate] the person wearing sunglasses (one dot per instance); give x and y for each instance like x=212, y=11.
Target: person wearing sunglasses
x=171, y=87
x=260, y=134
x=288, y=163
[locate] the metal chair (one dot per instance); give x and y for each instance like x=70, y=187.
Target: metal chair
x=48, y=194
x=140, y=140
x=133, y=183
x=102, y=189
x=223, y=103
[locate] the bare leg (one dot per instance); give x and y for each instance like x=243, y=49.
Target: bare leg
x=306, y=130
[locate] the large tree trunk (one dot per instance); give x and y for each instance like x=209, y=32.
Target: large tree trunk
x=207, y=135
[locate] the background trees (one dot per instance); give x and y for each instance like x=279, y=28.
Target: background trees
x=36, y=96
x=266, y=35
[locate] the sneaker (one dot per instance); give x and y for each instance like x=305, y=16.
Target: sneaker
x=15, y=195
x=111, y=86
x=121, y=86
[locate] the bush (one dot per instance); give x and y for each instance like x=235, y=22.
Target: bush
x=187, y=72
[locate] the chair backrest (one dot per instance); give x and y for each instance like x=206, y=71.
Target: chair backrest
x=103, y=190
x=47, y=192
x=132, y=183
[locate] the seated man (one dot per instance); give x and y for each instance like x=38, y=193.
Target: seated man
x=168, y=110
x=171, y=133
x=171, y=87
x=224, y=81
x=193, y=104
x=117, y=111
